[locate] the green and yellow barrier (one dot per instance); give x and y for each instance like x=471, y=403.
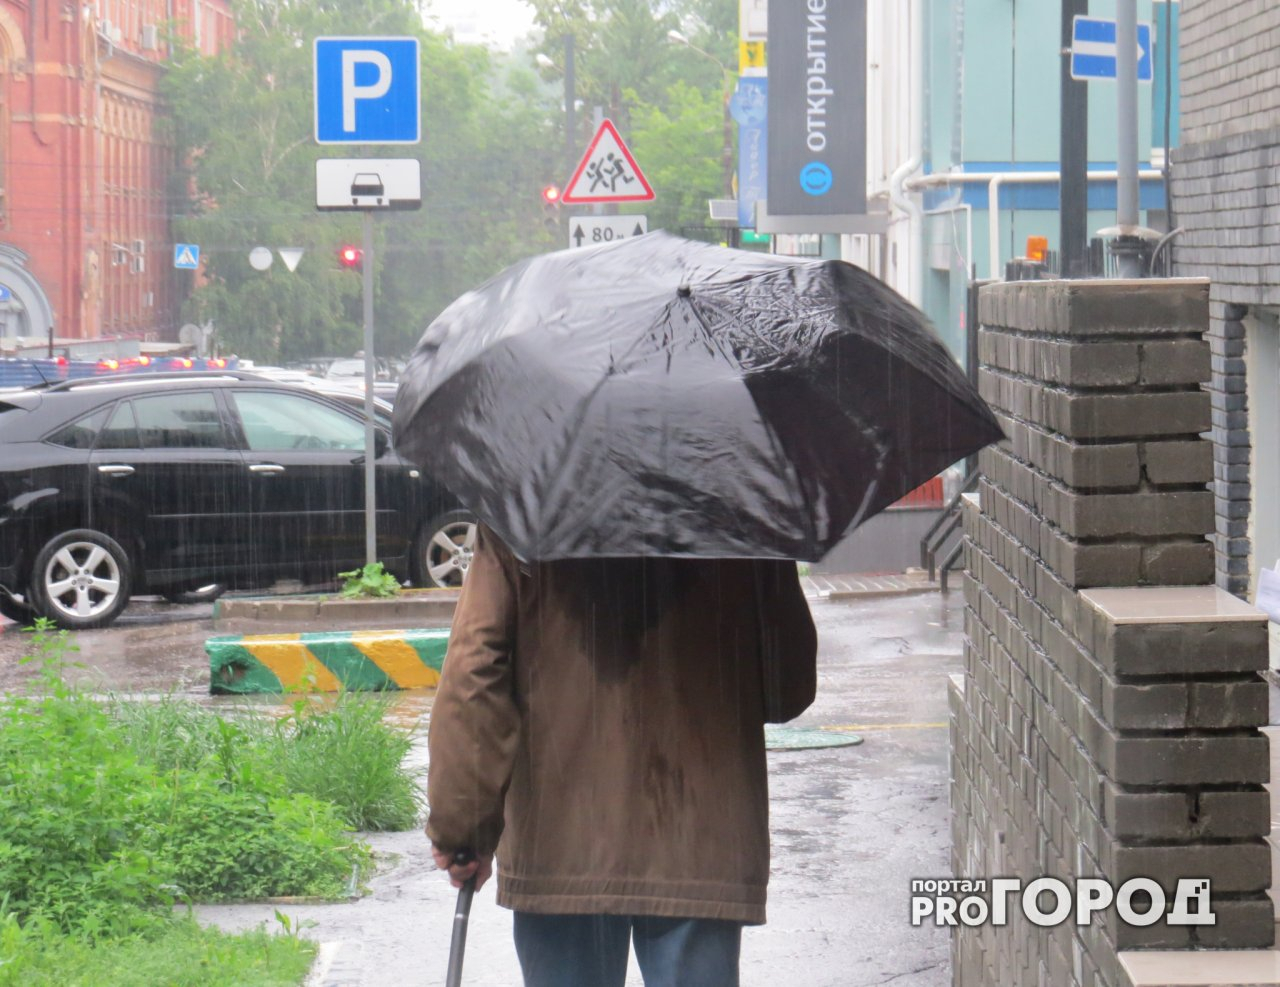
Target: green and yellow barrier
x=326, y=661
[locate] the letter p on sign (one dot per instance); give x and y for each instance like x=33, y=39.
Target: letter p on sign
x=367, y=91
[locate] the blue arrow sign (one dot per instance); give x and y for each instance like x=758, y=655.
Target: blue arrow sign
x=367, y=91
x=186, y=256
x=1093, y=49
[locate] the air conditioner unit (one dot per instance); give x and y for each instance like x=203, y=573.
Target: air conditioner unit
x=150, y=37
x=138, y=263
x=139, y=246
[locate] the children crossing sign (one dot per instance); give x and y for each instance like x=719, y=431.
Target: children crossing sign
x=607, y=172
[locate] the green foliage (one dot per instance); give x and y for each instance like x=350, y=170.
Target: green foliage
x=109, y=810
x=681, y=147
x=493, y=135
x=179, y=953
x=346, y=754
x=371, y=580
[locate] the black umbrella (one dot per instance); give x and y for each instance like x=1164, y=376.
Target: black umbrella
x=659, y=396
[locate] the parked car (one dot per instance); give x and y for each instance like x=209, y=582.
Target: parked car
x=111, y=487
x=352, y=370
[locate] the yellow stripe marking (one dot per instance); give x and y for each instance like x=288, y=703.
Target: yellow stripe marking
x=290, y=661
x=397, y=659
x=848, y=727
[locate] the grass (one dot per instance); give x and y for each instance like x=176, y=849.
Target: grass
x=112, y=812
x=338, y=750
x=180, y=954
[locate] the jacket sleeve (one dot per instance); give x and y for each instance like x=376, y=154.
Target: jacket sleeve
x=475, y=722
x=788, y=642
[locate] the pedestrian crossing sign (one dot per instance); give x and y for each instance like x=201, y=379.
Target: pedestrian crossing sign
x=186, y=256
x=607, y=172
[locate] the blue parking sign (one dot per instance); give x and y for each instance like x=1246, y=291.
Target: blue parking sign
x=367, y=91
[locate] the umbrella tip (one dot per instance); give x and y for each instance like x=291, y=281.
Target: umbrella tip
x=684, y=291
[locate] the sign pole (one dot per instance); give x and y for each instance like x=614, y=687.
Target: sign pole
x=370, y=443
x=1073, y=209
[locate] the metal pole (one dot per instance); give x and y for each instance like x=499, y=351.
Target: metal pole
x=1127, y=113
x=570, y=109
x=370, y=443
x=1073, y=153
x=1127, y=248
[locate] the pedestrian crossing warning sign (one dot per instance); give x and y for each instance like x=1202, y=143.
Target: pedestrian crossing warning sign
x=607, y=172
x=186, y=256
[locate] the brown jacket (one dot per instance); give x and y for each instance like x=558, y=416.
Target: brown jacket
x=604, y=720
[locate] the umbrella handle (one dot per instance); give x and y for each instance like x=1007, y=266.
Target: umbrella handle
x=458, y=945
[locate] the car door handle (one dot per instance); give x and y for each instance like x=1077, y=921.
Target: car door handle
x=116, y=469
x=266, y=468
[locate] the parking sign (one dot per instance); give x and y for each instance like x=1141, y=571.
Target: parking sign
x=367, y=91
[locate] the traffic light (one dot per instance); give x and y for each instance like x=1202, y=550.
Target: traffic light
x=352, y=258
x=551, y=207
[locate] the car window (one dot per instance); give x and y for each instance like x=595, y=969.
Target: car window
x=274, y=421
x=81, y=432
x=122, y=430
x=188, y=420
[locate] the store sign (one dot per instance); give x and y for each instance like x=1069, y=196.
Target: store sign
x=817, y=107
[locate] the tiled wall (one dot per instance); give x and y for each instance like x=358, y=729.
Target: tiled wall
x=1106, y=724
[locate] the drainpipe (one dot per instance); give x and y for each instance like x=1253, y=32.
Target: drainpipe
x=897, y=181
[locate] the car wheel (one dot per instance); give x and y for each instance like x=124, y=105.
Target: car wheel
x=442, y=550
x=200, y=594
x=81, y=579
x=15, y=611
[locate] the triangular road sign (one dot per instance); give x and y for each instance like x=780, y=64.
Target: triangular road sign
x=607, y=172
x=290, y=256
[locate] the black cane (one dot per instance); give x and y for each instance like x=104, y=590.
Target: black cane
x=459, y=944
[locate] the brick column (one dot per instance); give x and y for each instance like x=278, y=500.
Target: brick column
x=1106, y=723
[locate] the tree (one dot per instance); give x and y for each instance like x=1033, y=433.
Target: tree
x=484, y=155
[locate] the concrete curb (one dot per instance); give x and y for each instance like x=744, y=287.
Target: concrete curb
x=319, y=610
x=326, y=661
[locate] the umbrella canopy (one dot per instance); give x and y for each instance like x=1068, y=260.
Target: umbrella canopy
x=659, y=396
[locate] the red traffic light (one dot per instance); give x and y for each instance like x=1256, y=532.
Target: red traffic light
x=351, y=257
x=551, y=195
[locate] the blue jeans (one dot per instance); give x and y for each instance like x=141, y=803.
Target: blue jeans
x=591, y=950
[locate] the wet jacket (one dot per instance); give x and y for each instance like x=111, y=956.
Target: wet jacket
x=600, y=723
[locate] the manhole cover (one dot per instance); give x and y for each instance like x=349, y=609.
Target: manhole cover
x=782, y=738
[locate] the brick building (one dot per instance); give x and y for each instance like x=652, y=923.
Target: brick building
x=1227, y=199
x=85, y=249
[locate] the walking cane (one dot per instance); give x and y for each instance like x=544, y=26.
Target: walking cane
x=453, y=978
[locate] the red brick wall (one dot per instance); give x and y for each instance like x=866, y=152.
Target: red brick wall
x=83, y=165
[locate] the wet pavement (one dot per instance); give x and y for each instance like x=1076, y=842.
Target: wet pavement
x=153, y=647
x=851, y=827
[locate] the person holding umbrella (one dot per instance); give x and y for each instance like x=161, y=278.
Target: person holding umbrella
x=653, y=432
x=600, y=724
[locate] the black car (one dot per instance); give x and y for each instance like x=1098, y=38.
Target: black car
x=112, y=487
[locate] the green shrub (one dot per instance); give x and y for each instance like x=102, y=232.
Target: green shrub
x=220, y=843
x=101, y=817
x=346, y=754
x=371, y=580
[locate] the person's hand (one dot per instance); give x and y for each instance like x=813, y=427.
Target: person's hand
x=481, y=867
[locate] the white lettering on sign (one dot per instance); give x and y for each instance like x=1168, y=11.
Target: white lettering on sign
x=816, y=76
x=351, y=92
